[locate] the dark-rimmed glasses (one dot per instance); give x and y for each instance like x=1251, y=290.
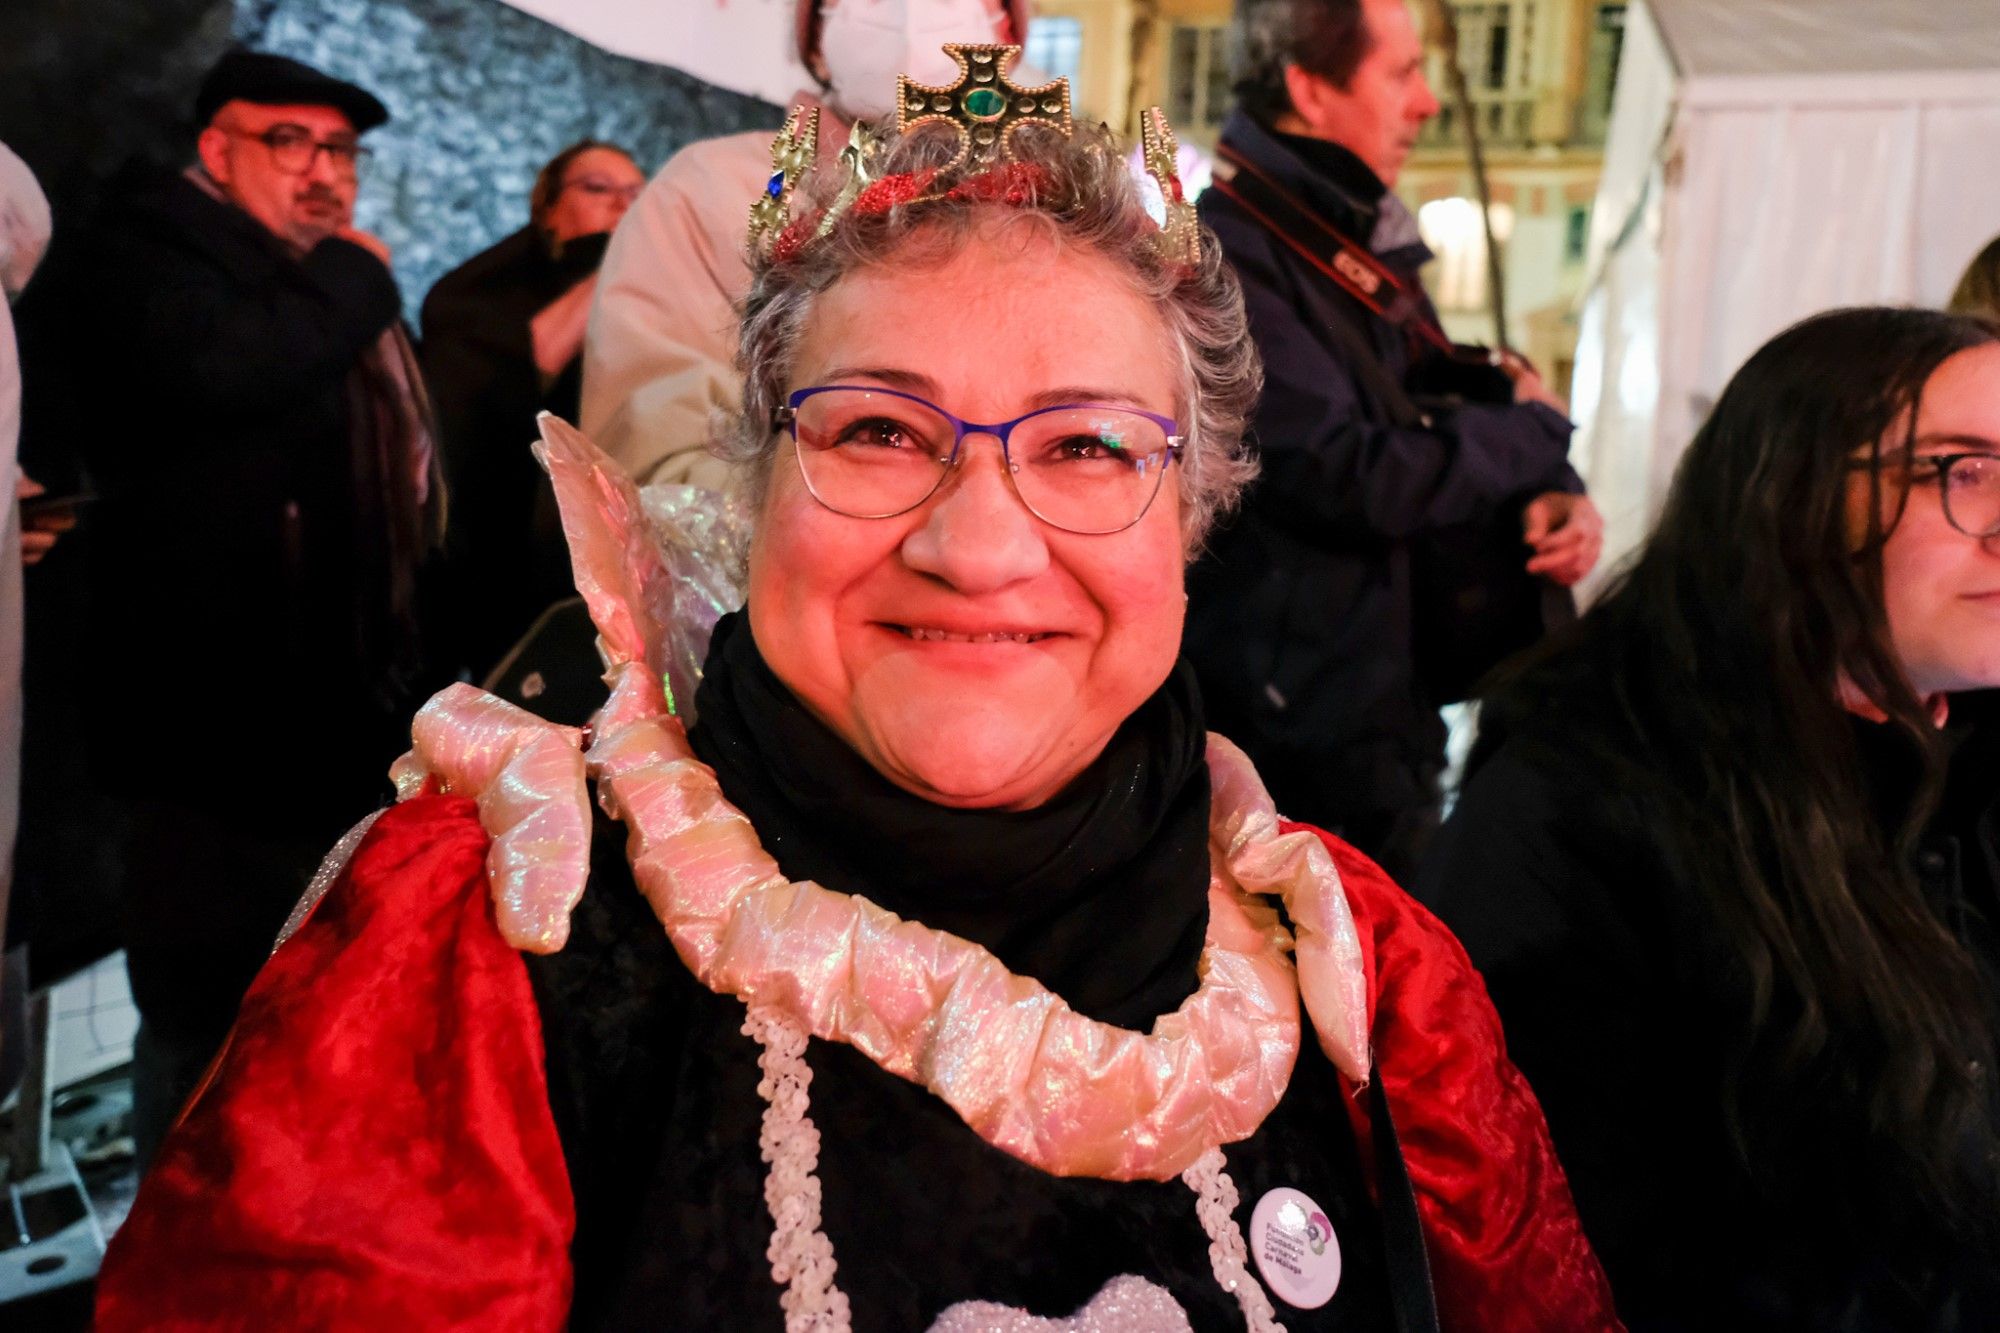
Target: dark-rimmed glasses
x=875, y=453
x=1969, y=488
x=603, y=187
x=294, y=149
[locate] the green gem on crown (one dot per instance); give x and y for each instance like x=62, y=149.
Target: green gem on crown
x=984, y=103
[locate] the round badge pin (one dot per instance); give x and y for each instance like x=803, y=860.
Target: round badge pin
x=1297, y=1254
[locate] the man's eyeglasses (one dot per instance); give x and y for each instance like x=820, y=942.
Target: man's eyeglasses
x=877, y=453
x=294, y=150
x=600, y=187
x=1969, y=487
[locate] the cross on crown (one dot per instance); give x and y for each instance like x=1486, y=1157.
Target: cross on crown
x=984, y=106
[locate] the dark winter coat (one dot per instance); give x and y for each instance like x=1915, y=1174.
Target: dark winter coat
x=243, y=663
x=507, y=559
x=217, y=378
x=1302, y=614
x=1620, y=998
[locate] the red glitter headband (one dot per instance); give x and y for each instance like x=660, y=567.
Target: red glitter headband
x=1014, y=184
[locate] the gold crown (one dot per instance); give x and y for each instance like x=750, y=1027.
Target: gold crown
x=986, y=109
x=1180, y=230
x=792, y=151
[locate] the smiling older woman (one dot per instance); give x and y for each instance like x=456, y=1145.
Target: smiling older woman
x=940, y=977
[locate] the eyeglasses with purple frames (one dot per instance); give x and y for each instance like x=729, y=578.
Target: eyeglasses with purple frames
x=1087, y=468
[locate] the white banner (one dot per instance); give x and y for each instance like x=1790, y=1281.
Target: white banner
x=746, y=46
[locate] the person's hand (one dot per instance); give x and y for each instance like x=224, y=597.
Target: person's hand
x=556, y=331
x=39, y=533
x=374, y=245
x=1528, y=385
x=1567, y=534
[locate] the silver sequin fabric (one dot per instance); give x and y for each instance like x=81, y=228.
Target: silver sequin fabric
x=1126, y=1305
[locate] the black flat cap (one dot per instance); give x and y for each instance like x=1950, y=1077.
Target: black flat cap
x=257, y=76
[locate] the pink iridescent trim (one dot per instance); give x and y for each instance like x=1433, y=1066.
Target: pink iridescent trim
x=1027, y=1073
x=528, y=777
x=1022, y=1069
x=1297, y=868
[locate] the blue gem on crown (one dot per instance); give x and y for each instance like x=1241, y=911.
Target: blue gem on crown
x=776, y=185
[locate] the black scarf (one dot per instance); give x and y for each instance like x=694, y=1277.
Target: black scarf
x=1101, y=894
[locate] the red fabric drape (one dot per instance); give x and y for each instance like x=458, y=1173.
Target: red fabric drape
x=1507, y=1252
x=374, y=1150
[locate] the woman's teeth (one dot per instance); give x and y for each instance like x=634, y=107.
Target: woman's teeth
x=945, y=636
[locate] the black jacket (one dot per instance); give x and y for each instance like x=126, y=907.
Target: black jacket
x=1301, y=615
x=1621, y=998
x=508, y=560
x=208, y=379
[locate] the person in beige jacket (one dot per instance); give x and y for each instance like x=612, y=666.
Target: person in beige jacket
x=659, y=353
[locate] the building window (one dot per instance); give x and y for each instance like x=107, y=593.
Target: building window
x=1608, y=39
x=1496, y=44
x=1576, y=234
x=1055, y=45
x=1600, y=75
x=1198, y=75
x=1496, y=53
x=1493, y=39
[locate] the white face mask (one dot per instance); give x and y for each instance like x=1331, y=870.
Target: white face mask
x=865, y=44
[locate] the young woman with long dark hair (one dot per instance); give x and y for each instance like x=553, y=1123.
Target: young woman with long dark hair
x=1728, y=851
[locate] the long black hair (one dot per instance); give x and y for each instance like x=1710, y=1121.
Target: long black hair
x=1706, y=686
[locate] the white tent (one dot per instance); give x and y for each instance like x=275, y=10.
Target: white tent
x=1769, y=159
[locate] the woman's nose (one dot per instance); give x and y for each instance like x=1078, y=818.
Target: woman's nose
x=975, y=533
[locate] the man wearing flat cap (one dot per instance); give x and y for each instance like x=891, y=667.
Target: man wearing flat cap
x=255, y=428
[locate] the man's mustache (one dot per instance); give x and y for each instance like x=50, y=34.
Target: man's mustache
x=319, y=194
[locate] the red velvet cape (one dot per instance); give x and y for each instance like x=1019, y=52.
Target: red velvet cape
x=374, y=1148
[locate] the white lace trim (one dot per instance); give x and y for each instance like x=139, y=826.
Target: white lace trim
x=802, y=1259
x=1215, y=1204
x=801, y=1256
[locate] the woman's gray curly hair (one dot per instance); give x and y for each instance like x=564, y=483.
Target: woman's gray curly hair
x=1083, y=195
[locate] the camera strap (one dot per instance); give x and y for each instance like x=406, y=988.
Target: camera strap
x=1345, y=262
